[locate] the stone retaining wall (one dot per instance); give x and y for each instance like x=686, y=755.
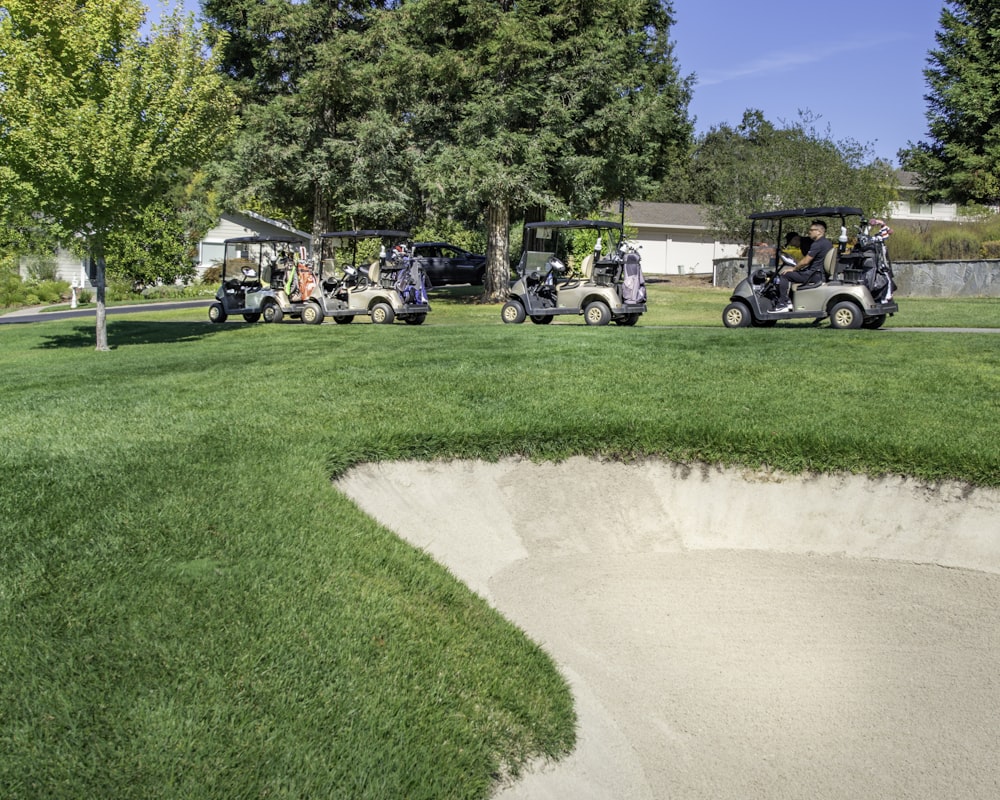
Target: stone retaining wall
x=913, y=278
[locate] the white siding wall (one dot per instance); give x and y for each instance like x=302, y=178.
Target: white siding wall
x=680, y=252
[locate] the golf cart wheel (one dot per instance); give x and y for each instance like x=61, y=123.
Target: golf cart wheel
x=512, y=312
x=845, y=315
x=627, y=320
x=382, y=314
x=736, y=315
x=541, y=319
x=344, y=320
x=597, y=313
x=415, y=319
x=873, y=323
x=216, y=313
x=252, y=317
x=273, y=313
x=312, y=314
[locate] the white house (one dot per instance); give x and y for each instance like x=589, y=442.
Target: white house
x=909, y=207
x=675, y=238
x=211, y=248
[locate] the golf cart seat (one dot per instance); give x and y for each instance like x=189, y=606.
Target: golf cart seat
x=374, y=273
x=830, y=263
x=587, y=268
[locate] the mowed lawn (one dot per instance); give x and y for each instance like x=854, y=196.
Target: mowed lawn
x=189, y=609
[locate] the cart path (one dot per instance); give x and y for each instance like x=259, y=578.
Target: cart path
x=732, y=634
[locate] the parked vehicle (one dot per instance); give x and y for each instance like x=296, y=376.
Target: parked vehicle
x=263, y=277
x=447, y=264
x=553, y=279
x=367, y=272
x=857, y=288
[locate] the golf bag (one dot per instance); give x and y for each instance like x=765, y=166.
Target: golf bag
x=633, y=282
x=877, y=269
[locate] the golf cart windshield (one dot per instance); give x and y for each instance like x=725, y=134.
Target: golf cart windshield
x=569, y=241
x=260, y=255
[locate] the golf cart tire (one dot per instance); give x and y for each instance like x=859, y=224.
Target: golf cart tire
x=312, y=314
x=217, y=313
x=874, y=323
x=382, y=314
x=512, y=312
x=541, y=319
x=252, y=317
x=415, y=319
x=345, y=319
x=628, y=320
x=736, y=315
x=845, y=316
x=597, y=313
x=273, y=313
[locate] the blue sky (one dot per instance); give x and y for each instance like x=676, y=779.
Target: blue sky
x=858, y=67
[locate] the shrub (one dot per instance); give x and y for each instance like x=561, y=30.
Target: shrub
x=212, y=275
x=955, y=244
x=990, y=249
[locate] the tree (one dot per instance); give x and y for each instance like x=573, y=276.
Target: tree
x=561, y=105
x=96, y=121
x=757, y=166
x=315, y=141
x=961, y=162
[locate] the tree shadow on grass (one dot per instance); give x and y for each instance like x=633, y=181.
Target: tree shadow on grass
x=128, y=332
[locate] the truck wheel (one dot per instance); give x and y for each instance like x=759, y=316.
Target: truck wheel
x=597, y=313
x=845, y=315
x=217, y=313
x=736, y=315
x=512, y=312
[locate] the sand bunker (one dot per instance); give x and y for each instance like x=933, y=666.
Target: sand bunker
x=730, y=634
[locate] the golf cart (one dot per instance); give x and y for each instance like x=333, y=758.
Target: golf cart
x=854, y=292
x=263, y=276
x=367, y=272
x=576, y=267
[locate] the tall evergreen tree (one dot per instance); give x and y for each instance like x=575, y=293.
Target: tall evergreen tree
x=961, y=162
x=562, y=104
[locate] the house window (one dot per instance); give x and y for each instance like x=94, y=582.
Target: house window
x=212, y=252
x=922, y=209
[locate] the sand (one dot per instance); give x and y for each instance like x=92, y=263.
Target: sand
x=732, y=634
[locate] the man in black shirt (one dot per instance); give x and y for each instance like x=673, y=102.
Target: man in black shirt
x=809, y=269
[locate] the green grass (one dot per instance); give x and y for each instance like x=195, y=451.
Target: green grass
x=190, y=610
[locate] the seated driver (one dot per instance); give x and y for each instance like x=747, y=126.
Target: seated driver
x=809, y=269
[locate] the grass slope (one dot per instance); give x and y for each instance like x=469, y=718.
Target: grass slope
x=187, y=609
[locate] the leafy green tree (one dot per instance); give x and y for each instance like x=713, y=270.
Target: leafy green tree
x=560, y=105
x=97, y=122
x=757, y=166
x=961, y=162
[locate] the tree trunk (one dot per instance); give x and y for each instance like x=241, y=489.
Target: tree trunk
x=497, y=279
x=320, y=223
x=101, y=321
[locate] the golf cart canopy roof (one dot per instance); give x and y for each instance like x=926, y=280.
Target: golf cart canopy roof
x=265, y=240
x=365, y=234
x=822, y=211
x=574, y=223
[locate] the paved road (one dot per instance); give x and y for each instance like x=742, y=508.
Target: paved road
x=35, y=313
